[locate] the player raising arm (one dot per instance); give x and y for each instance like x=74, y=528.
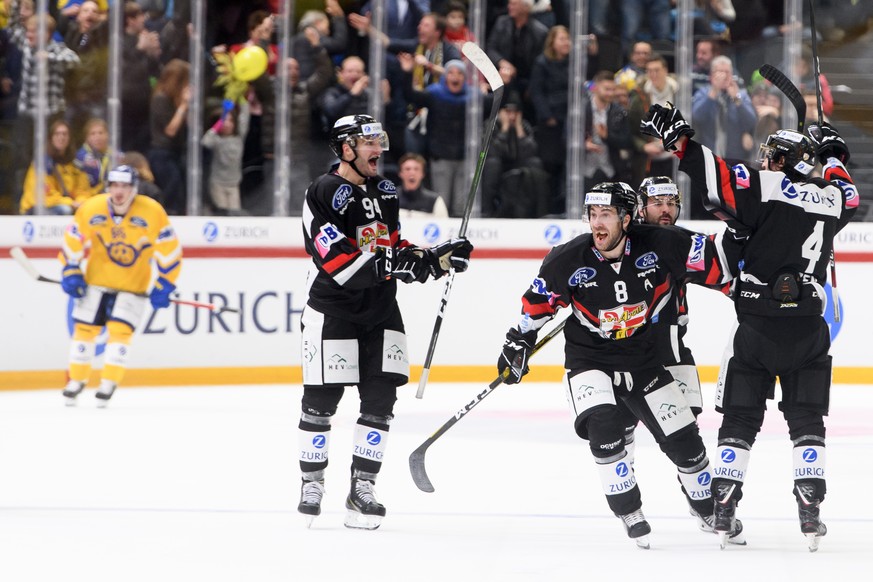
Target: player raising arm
x=133, y=256
x=780, y=300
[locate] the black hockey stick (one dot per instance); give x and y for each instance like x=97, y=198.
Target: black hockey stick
x=416, y=459
x=816, y=69
x=784, y=84
x=22, y=259
x=484, y=65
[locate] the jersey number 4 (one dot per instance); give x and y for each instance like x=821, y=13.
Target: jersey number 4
x=812, y=246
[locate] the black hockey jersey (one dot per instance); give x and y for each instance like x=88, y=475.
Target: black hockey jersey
x=343, y=225
x=624, y=313
x=793, y=224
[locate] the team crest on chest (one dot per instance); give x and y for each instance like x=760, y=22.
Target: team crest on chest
x=621, y=322
x=375, y=234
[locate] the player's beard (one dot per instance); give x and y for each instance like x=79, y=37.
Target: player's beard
x=610, y=242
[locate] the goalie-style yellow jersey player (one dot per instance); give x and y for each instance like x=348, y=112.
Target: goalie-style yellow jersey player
x=133, y=256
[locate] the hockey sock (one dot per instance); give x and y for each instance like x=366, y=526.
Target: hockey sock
x=117, y=351
x=630, y=446
x=313, y=437
x=697, y=484
x=731, y=461
x=82, y=351
x=371, y=439
x=809, y=463
x=619, y=483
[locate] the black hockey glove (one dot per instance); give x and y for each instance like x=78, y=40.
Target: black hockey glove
x=450, y=254
x=828, y=143
x=517, y=348
x=410, y=265
x=666, y=123
x=383, y=262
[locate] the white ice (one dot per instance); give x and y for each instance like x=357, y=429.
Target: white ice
x=202, y=484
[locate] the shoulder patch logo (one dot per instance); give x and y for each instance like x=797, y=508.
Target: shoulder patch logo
x=582, y=275
x=743, y=176
x=341, y=196
x=387, y=186
x=647, y=261
x=788, y=188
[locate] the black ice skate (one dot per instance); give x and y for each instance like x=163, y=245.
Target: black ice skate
x=725, y=523
x=706, y=523
x=808, y=511
x=73, y=389
x=637, y=528
x=105, y=392
x=311, y=493
x=365, y=512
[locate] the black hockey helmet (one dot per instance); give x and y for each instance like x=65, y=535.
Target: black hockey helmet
x=617, y=194
x=796, y=149
x=661, y=187
x=347, y=129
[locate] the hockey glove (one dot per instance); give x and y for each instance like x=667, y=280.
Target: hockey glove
x=160, y=295
x=517, y=348
x=410, y=265
x=73, y=282
x=450, y=254
x=828, y=143
x=666, y=123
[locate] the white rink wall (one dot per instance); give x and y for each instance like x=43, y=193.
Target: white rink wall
x=258, y=265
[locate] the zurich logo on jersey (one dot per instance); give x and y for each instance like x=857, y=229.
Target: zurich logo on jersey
x=728, y=456
x=28, y=231
x=210, y=231
x=552, y=234
x=373, y=438
x=387, y=186
x=647, y=261
x=810, y=456
x=319, y=441
x=581, y=276
x=341, y=196
x=431, y=232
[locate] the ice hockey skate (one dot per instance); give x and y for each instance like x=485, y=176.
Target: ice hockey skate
x=72, y=390
x=365, y=512
x=105, y=392
x=311, y=493
x=808, y=511
x=724, y=516
x=706, y=523
x=637, y=528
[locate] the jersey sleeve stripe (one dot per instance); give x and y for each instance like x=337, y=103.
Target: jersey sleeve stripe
x=360, y=262
x=339, y=261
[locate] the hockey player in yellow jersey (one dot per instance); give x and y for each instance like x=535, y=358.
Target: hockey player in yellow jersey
x=119, y=252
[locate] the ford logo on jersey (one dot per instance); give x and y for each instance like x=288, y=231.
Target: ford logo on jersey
x=552, y=234
x=581, y=276
x=647, y=261
x=341, y=196
x=387, y=186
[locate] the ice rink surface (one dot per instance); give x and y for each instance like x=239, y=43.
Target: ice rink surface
x=202, y=484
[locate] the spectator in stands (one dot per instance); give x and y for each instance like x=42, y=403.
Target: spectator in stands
x=350, y=95
x=549, y=84
x=634, y=72
x=333, y=34
x=416, y=201
x=634, y=12
x=705, y=50
x=401, y=20
x=724, y=116
x=94, y=158
x=260, y=27
x=65, y=187
x=140, y=57
x=649, y=157
x=516, y=40
x=87, y=86
x=767, y=101
x=513, y=148
x=146, y=185
x=446, y=124
x=226, y=140
x=608, y=138
x=169, y=128
x=457, y=31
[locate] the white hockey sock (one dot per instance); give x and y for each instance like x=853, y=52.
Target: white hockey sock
x=697, y=481
x=731, y=462
x=809, y=462
x=616, y=475
x=370, y=444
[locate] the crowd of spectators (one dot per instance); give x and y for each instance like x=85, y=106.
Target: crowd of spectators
x=426, y=88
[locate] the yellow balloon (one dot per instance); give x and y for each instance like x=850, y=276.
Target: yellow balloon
x=249, y=63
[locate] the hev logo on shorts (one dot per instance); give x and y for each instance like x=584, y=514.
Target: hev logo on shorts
x=621, y=469
x=581, y=276
x=374, y=438
x=728, y=456
x=319, y=441
x=810, y=456
x=647, y=261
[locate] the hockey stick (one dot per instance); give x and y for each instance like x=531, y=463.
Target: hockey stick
x=817, y=76
x=416, y=459
x=784, y=84
x=484, y=65
x=22, y=259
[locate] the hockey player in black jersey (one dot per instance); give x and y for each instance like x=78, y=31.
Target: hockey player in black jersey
x=620, y=282
x=353, y=332
x=780, y=300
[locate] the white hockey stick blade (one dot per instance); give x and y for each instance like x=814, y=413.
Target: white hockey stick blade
x=17, y=253
x=481, y=61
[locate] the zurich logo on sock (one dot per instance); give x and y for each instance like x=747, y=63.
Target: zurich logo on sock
x=728, y=455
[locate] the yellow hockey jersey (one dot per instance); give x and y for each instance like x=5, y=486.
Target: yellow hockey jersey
x=125, y=253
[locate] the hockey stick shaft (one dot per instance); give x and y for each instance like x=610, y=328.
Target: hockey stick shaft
x=22, y=259
x=484, y=65
x=784, y=84
x=416, y=458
